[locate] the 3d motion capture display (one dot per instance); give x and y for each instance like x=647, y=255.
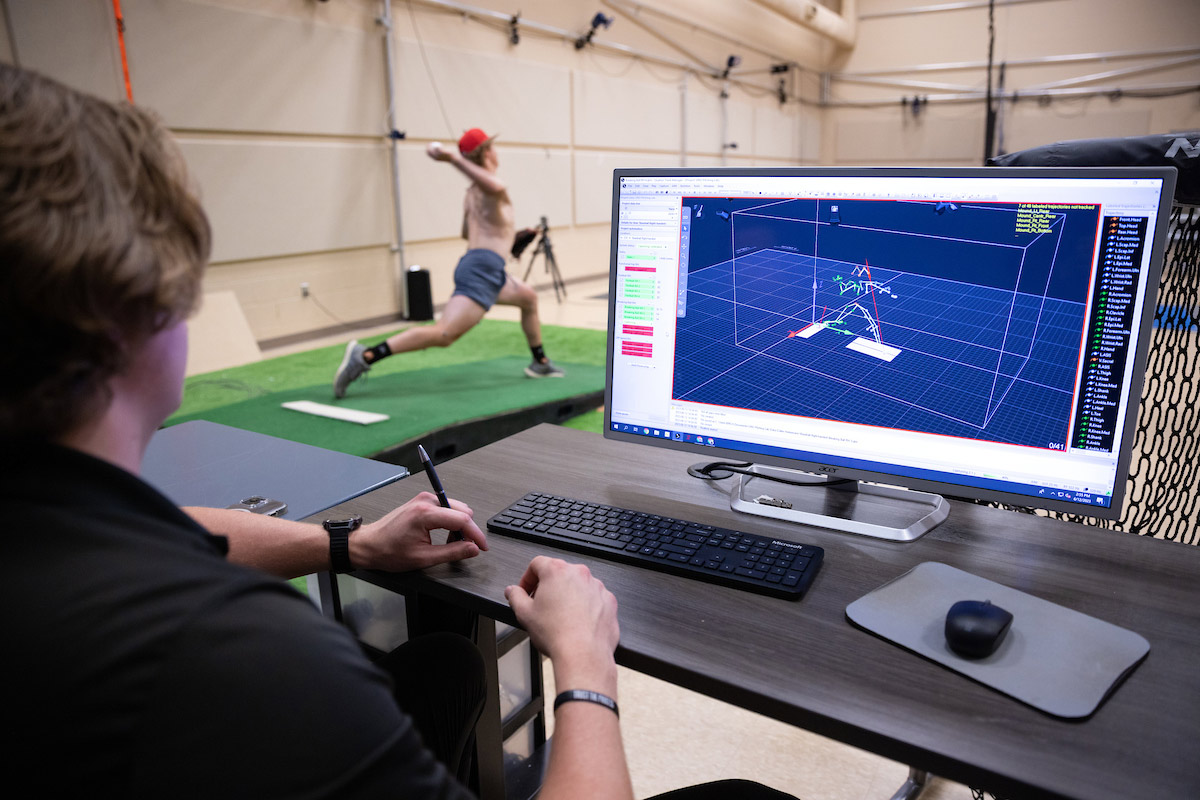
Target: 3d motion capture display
x=956, y=318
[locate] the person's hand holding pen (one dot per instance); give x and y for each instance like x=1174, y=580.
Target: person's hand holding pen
x=400, y=541
x=436, y=483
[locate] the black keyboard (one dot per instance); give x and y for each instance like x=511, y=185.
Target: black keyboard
x=716, y=555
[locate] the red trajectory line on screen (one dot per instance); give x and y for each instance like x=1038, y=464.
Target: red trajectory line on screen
x=878, y=325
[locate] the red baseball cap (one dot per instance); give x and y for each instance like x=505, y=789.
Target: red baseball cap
x=472, y=140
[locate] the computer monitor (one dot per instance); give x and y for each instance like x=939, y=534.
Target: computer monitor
x=975, y=332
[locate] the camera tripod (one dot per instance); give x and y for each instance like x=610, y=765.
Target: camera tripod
x=545, y=248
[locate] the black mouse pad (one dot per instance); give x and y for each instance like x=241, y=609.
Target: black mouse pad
x=1053, y=658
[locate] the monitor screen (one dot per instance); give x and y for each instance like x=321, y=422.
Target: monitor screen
x=977, y=332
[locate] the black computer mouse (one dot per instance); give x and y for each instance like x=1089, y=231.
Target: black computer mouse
x=975, y=628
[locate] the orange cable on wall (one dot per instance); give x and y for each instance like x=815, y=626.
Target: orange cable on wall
x=121, y=42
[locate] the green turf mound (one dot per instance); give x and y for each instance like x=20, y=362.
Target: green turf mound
x=417, y=401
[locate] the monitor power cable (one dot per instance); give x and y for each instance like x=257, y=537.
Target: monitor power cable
x=720, y=470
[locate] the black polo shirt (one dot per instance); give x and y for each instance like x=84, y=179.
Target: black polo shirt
x=138, y=662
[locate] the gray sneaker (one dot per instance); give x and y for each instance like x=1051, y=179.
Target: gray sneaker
x=352, y=367
x=543, y=369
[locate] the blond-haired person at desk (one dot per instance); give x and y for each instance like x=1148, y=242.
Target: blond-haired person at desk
x=140, y=660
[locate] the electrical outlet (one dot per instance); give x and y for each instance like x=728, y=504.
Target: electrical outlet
x=304, y=289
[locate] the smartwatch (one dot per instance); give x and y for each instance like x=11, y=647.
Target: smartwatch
x=339, y=531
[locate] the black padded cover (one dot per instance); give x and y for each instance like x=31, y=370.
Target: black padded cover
x=1179, y=150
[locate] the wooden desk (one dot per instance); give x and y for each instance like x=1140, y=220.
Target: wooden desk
x=803, y=663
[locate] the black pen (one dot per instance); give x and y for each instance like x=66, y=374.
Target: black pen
x=436, y=483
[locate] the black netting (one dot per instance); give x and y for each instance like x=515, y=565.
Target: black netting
x=1162, y=491
x=1163, y=496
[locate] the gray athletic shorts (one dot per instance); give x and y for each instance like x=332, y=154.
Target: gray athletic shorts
x=480, y=276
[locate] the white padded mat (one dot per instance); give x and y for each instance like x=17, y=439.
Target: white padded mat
x=335, y=412
x=1053, y=658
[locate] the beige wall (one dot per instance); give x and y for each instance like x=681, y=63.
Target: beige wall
x=904, y=45
x=280, y=108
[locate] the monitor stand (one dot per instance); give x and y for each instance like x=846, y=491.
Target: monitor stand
x=867, y=509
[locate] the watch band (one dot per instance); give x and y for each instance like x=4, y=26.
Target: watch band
x=587, y=696
x=339, y=531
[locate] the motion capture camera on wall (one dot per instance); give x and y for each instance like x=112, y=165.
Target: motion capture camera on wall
x=599, y=21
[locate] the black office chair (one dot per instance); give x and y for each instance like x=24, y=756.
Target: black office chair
x=1163, y=497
